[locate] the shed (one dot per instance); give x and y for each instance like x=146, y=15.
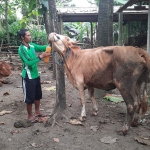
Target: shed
x=83, y=14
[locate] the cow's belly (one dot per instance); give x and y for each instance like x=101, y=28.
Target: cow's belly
x=102, y=80
x=107, y=87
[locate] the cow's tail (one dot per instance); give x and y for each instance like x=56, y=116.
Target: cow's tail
x=144, y=101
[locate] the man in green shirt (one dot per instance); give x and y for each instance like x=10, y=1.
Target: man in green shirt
x=30, y=75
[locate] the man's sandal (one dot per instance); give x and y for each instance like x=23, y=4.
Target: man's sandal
x=41, y=115
x=34, y=120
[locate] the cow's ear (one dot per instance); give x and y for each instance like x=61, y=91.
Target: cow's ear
x=68, y=39
x=75, y=48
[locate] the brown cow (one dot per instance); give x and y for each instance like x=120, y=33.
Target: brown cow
x=123, y=67
x=5, y=70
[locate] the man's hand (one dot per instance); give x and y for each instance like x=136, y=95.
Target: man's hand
x=44, y=54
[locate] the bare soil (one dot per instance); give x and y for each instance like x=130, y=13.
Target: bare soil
x=63, y=135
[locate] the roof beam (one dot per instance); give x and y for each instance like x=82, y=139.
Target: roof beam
x=129, y=3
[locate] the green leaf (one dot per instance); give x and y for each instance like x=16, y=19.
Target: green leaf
x=23, y=24
x=113, y=98
x=1, y=8
x=31, y=4
x=41, y=11
x=29, y=14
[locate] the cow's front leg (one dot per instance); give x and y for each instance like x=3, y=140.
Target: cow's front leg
x=83, y=102
x=94, y=102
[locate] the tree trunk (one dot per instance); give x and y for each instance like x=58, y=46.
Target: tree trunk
x=105, y=23
x=6, y=20
x=60, y=90
x=46, y=20
x=53, y=26
x=60, y=80
x=53, y=16
x=104, y=36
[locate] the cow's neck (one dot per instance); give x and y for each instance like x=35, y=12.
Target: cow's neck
x=69, y=63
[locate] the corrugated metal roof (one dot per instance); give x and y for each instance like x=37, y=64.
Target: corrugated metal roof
x=83, y=14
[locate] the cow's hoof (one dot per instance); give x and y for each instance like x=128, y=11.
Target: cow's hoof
x=95, y=113
x=124, y=130
x=82, y=118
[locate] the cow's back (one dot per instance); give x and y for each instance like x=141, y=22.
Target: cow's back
x=98, y=66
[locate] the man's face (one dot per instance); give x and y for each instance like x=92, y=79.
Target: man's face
x=27, y=37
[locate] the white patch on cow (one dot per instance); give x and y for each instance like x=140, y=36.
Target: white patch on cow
x=58, y=41
x=83, y=112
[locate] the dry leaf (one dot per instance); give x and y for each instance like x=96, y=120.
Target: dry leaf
x=6, y=93
x=5, y=82
x=2, y=123
x=37, y=145
x=143, y=140
x=45, y=82
x=52, y=88
x=19, y=87
x=56, y=140
x=18, y=131
x=3, y=112
x=108, y=140
x=75, y=121
x=94, y=128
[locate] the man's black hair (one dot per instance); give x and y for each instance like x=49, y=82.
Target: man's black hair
x=22, y=32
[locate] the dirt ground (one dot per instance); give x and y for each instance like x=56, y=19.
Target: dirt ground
x=96, y=133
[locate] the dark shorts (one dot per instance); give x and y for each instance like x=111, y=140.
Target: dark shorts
x=31, y=89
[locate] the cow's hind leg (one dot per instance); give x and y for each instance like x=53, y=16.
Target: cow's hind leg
x=130, y=91
x=93, y=100
x=133, y=106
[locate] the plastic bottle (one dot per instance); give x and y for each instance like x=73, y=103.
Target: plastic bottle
x=47, y=58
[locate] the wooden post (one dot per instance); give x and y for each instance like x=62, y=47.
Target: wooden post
x=148, y=32
x=91, y=35
x=120, y=28
x=61, y=25
x=129, y=25
x=60, y=79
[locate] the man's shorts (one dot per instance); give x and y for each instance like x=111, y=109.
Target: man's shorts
x=31, y=89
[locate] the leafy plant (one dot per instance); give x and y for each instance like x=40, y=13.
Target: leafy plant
x=2, y=33
x=82, y=29
x=38, y=34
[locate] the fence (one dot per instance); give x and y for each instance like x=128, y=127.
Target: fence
x=10, y=55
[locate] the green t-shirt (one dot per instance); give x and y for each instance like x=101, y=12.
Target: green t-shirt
x=30, y=60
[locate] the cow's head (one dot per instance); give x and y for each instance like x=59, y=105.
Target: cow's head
x=60, y=42
x=5, y=70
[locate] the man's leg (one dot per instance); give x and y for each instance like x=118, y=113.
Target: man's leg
x=29, y=111
x=41, y=117
x=37, y=107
